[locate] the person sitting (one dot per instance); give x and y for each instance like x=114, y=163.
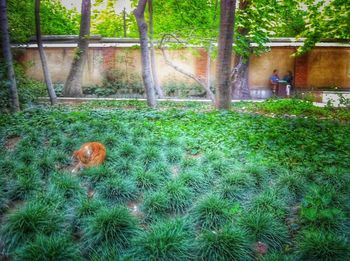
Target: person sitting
x=289, y=79
x=274, y=81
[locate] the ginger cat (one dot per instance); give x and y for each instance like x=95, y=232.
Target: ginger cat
x=89, y=154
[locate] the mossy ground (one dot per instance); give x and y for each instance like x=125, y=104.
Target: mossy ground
x=183, y=182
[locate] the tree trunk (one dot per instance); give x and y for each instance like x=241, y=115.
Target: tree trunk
x=73, y=85
x=239, y=84
x=47, y=76
x=6, y=47
x=223, y=69
x=139, y=13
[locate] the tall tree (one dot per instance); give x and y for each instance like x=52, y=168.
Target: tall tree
x=157, y=87
x=139, y=13
x=223, y=67
x=4, y=29
x=73, y=84
x=47, y=76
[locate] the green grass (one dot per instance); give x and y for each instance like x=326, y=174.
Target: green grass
x=181, y=183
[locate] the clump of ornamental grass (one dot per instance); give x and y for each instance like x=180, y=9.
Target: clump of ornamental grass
x=150, y=154
x=69, y=145
x=229, y=243
x=155, y=204
x=317, y=244
x=270, y=201
x=117, y=189
x=264, y=227
x=113, y=226
x=147, y=179
x=293, y=183
x=22, y=224
x=160, y=168
x=190, y=163
x=221, y=166
x=174, y=155
x=44, y=247
x=236, y=185
x=27, y=156
x=4, y=201
x=164, y=240
x=45, y=164
x=124, y=167
x=194, y=180
x=61, y=158
x=8, y=165
x=105, y=252
x=51, y=198
x=56, y=140
x=127, y=150
x=211, y=212
x=180, y=196
x=110, y=140
x=260, y=173
x=336, y=178
x=25, y=182
x=97, y=174
x=66, y=184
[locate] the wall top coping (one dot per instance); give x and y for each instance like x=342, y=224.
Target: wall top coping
x=69, y=41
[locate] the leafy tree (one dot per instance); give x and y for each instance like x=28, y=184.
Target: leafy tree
x=325, y=19
x=56, y=19
x=6, y=49
x=72, y=86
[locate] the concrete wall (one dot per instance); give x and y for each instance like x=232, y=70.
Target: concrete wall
x=323, y=67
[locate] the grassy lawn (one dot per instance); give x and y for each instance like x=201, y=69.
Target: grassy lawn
x=184, y=182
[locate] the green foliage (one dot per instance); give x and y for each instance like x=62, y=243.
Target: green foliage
x=264, y=227
x=110, y=226
x=117, y=189
x=55, y=19
x=25, y=222
x=180, y=197
x=45, y=247
x=211, y=212
x=229, y=243
x=321, y=245
x=155, y=204
x=164, y=240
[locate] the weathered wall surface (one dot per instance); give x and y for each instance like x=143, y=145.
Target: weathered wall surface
x=323, y=67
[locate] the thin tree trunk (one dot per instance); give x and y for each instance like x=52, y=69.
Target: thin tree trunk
x=223, y=70
x=209, y=68
x=12, y=86
x=200, y=81
x=157, y=87
x=139, y=13
x=239, y=84
x=47, y=76
x=73, y=85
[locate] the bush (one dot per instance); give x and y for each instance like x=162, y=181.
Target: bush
x=322, y=245
x=230, y=243
x=265, y=228
x=180, y=197
x=165, y=240
x=155, y=204
x=44, y=248
x=25, y=222
x=211, y=212
x=117, y=189
x=109, y=226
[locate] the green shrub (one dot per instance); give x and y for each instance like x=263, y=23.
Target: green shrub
x=114, y=226
x=211, y=212
x=66, y=184
x=148, y=179
x=44, y=248
x=195, y=180
x=236, y=186
x=229, y=243
x=155, y=204
x=180, y=196
x=322, y=245
x=25, y=222
x=164, y=240
x=264, y=227
x=117, y=189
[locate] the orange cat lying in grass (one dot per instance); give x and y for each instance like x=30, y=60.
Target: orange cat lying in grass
x=89, y=154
